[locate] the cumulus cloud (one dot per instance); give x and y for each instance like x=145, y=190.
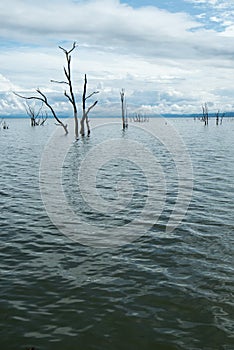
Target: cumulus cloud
x=107, y=25
x=163, y=60
x=219, y=11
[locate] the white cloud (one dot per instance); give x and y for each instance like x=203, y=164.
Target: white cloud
x=5, y=84
x=167, y=62
x=229, y=31
x=221, y=11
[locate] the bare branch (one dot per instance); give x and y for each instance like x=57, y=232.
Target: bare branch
x=28, y=109
x=73, y=47
x=59, y=82
x=45, y=101
x=67, y=52
x=89, y=109
x=39, y=111
x=69, y=98
x=29, y=98
x=93, y=93
x=66, y=74
x=44, y=96
x=86, y=112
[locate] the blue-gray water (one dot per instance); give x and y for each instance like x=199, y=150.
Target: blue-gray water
x=161, y=291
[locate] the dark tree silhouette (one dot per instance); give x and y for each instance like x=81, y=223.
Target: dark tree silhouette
x=217, y=118
x=205, y=114
x=43, y=99
x=122, y=97
x=34, y=114
x=70, y=95
x=86, y=112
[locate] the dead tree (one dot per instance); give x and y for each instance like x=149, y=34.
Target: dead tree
x=70, y=95
x=126, y=113
x=122, y=96
x=32, y=113
x=217, y=118
x=221, y=119
x=86, y=112
x=43, y=119
x=4, y=124
x=205, y=114
x=43, y=99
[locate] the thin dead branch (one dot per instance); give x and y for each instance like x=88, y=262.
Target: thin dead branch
x=86, y=112
x=70, y=96
x=44, y=99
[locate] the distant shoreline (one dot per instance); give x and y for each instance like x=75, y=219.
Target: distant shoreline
x=192, y=116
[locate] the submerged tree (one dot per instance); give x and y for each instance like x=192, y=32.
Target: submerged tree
x=44, y=99
x=4, y=124
x=139, y=117
x=217, y=118
x=84, y=118
x=70, y=95
x=205, y=114
x=123, y=107
x=221, y=119
x=36, y=116
x=44, y=117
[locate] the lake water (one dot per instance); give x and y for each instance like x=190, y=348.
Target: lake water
x=145, y=270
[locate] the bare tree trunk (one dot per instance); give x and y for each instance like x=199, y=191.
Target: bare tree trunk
x=205, y=113
x=122, y=105
x=217, y=118
x=126, y=113
x=87, y=126
x=44, y=118
x=33, y=122
x=221, y=119
x=82, y=132
x=85, y=113
x=76, y=125
x=31, y=111
x=70, y=96
x=45, y=101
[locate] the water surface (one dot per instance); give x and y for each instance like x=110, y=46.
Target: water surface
x=161, y=291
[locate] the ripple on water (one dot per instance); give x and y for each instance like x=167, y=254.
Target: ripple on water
x=170, y=292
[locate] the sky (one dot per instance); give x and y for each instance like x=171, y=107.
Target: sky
x=168, y=56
